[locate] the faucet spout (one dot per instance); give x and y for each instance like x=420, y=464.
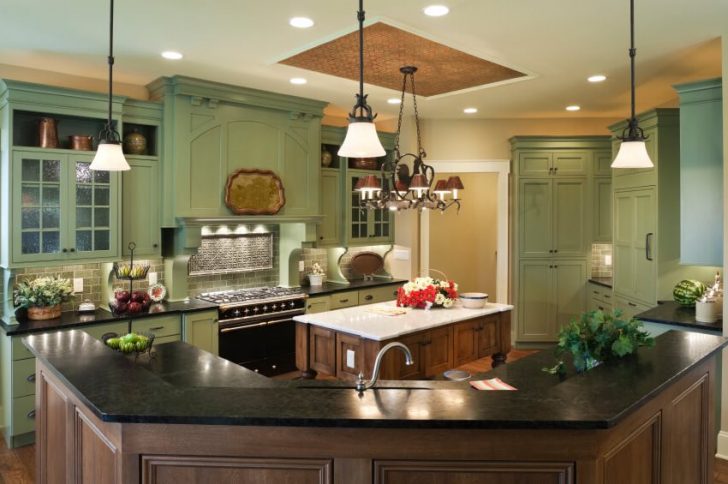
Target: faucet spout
x=362, y=384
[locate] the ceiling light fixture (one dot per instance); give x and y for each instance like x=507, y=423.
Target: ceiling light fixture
x=109, y=156
x=597, y=78
x=300, y=22
x=470, y=110
x=398, y=188
x=633, y=151
x=299, y=81
x=172, y=55
x=573, y=108
x=436, y=10
x=393, y=100
x=361, y=139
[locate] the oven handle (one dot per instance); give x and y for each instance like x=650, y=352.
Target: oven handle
x=277, y=321
x=246, y=326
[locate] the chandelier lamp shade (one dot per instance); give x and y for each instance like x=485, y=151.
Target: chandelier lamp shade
x=632, y=151
x=109, y=156
x=361, y=139
x=398, y=187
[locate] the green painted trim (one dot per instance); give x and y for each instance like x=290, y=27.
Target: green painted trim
x=707, y=84
x=649, y=118
x=43, y=96
x=182, y=85
x=559, y=143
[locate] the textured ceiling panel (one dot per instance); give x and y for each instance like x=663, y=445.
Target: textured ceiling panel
x=441, y=69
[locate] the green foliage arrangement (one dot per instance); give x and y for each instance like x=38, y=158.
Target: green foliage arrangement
x=599, y=337
x=42, y=292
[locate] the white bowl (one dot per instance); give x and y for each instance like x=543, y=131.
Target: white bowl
x=473, y=300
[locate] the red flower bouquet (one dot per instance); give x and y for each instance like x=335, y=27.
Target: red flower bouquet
x=426, y=292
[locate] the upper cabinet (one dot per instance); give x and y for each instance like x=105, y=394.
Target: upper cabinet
x=212, y=130
x=701, y=172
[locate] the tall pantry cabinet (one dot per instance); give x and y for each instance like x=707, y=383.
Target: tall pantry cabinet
x=557, y=213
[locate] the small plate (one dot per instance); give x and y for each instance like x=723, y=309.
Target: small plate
x=457, y=375
x=157, y=292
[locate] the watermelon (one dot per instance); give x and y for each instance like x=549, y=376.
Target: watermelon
x=688, y=291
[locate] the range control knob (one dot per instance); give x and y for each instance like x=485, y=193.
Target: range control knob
x=236, y=313
x=246, y=311
x=256, y=309
x=274, y=307
x=265, y=308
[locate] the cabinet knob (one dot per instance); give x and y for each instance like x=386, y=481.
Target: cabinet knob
x=155, y=246
x=556, y=169
x=31, y=414
x=64, y=250
x=30, y=378
x=321, y=237
x=342, y=301
x=72, y=249
x=556, y=267
x=368, y=297
x=632, y=304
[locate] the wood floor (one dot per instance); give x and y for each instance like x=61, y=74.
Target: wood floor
x=17, y=466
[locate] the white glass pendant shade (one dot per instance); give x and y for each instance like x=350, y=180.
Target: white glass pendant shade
x=632, y=154
x=109, y=157
x=361, y=141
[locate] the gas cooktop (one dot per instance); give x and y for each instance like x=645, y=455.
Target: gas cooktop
x=253, y=295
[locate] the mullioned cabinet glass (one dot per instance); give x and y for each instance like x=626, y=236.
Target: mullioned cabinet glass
x=365, y=226
x=61, y=208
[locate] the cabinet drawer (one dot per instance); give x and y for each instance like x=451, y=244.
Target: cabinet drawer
x=160, y=326
x=20, y=351
x=24, y=377
x=98, y=330
x=600, y=293
x=598, y=305
x=377, y=294
x=158, y=340
x=23, y=415
x=318, y=304
x=629, y=308
x=344, y=299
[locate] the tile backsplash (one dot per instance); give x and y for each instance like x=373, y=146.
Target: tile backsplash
x=601, y=260
x=309, y=256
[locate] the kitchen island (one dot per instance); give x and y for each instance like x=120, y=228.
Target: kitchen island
x=345, y=342
x=187, y=416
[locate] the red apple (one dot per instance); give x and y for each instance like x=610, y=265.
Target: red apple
x=122, y=296
x=121, y=307
x=135, y=307
x=138, y=296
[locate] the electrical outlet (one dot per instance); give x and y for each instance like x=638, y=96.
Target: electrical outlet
x=401, y=254
x=607, y=260
x=152, y=278
x=350, y=354
x=78, y=284
x=301, y=266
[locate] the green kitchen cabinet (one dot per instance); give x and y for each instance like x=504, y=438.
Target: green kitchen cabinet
x=551, y=294
x=201, y=329
x=552, y=219
x=329, y=230
x=602, y=219
x=62, y=210
x=365, y=226
x=553, y=163
x=603, y=163
x=141, y=210
x=701, y=172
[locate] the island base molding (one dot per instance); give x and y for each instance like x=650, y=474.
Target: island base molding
x=669, y=440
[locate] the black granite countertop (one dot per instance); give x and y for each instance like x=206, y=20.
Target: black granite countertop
x=602, y=281
x=70, y=319
x=334, y=287
x=186, y=385
x=670, y=312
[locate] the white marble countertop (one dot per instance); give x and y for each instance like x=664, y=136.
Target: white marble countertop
x=365, y=322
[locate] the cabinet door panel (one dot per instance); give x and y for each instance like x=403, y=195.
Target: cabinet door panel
x=438, y=351
x=322, y=346
x=624, y=234
x=570, y=163
x=537, y=163
x=536, y=311
x=395, y=360
x=329, y=230
x=465, y=337
x=141, y=206
x=603, y=163
x=488, y=336
x=569, y=291
x=569, y=202
x=644, y=246
x=602, y=222
x=535, y=206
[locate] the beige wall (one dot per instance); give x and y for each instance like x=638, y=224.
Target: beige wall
x=38, y=76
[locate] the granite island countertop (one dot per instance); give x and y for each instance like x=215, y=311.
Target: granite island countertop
x=367, y=322
x=185, y=385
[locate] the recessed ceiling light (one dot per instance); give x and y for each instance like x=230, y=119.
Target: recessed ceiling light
x=597, y=78
x=298, y=80
x=171, y=55
x=573, y=107
x=301, y=22
x=394, y=100
x=436, y=10
x=470, y=110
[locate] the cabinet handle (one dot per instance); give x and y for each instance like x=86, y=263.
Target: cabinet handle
x=556, y=169
x=31, y=414
x=551, y=251
x=321, y=237
x=632, y=304
x=556, y=267
x=72, y=249
x=64, y=250
x=607, y=296
x=30, y=378
x=600, y=308
x=156, y=328
x=595, y=292
x=648, y=246
x=342, y=301
x=556, y=251
x=368, y=297
x=309, y=306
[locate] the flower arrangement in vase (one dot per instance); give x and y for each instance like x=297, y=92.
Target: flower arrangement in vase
x=426, y=293
x=316, y=277
x=43, y=296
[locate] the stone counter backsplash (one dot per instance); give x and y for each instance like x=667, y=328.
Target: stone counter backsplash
x=600, y=254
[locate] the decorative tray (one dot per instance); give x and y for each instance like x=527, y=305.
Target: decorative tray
x=254, y=192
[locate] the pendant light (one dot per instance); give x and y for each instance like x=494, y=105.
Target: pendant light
x=109, y=156
x=632, y=152
x=361, y=139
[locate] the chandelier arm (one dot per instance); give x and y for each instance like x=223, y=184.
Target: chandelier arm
x=420, y=150
x=399, y=118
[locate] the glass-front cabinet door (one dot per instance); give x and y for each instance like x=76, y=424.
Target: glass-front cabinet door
x=62, y=209
x=366, y=227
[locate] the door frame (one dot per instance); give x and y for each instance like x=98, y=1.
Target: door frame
x=503, y=169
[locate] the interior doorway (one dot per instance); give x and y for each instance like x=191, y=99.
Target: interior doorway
x=471, y=247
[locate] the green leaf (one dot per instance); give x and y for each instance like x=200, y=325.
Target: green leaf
x=622, y=346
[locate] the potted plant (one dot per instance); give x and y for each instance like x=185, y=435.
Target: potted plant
x=598, y=337
x=426, y=292
x=316, y=277
x=43, y=296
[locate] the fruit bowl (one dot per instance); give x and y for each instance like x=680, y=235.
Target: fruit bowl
x=130, y=271
x=125, y=302
x=131, y=343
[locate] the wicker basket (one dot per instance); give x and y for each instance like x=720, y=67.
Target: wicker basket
x=37, y=313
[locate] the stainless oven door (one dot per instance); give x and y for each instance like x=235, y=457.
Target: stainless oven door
x=267, y=347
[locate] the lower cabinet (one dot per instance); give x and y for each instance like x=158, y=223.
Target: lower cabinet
x=628, y=307
x=322, y=350
x=201, y=329
x=600, y=298
x=318, y=304
x=462, y=472
x=346, y=299
x=437, y=352
x=475, y=339
x=551, y=294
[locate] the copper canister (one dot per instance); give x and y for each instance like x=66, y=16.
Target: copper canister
x=47, y=133
x=81, y=142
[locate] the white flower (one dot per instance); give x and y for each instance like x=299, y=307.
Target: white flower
x=447, y=303
x=439, y=299
x=444, y=284
x=423, y=282
x=409, y=287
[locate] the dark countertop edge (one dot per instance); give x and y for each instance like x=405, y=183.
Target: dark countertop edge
x=602, y=281
x=716, y=327
x=334, y=287
x=100, y=316
x=665, y=313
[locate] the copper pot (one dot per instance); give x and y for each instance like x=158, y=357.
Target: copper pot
x=364, y=163
x=81, y=142
x=47, y=133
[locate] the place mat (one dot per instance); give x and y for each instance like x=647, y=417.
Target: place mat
x=492, y=384
x=388, y=310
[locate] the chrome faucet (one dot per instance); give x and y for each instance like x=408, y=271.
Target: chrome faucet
x=362, y=384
